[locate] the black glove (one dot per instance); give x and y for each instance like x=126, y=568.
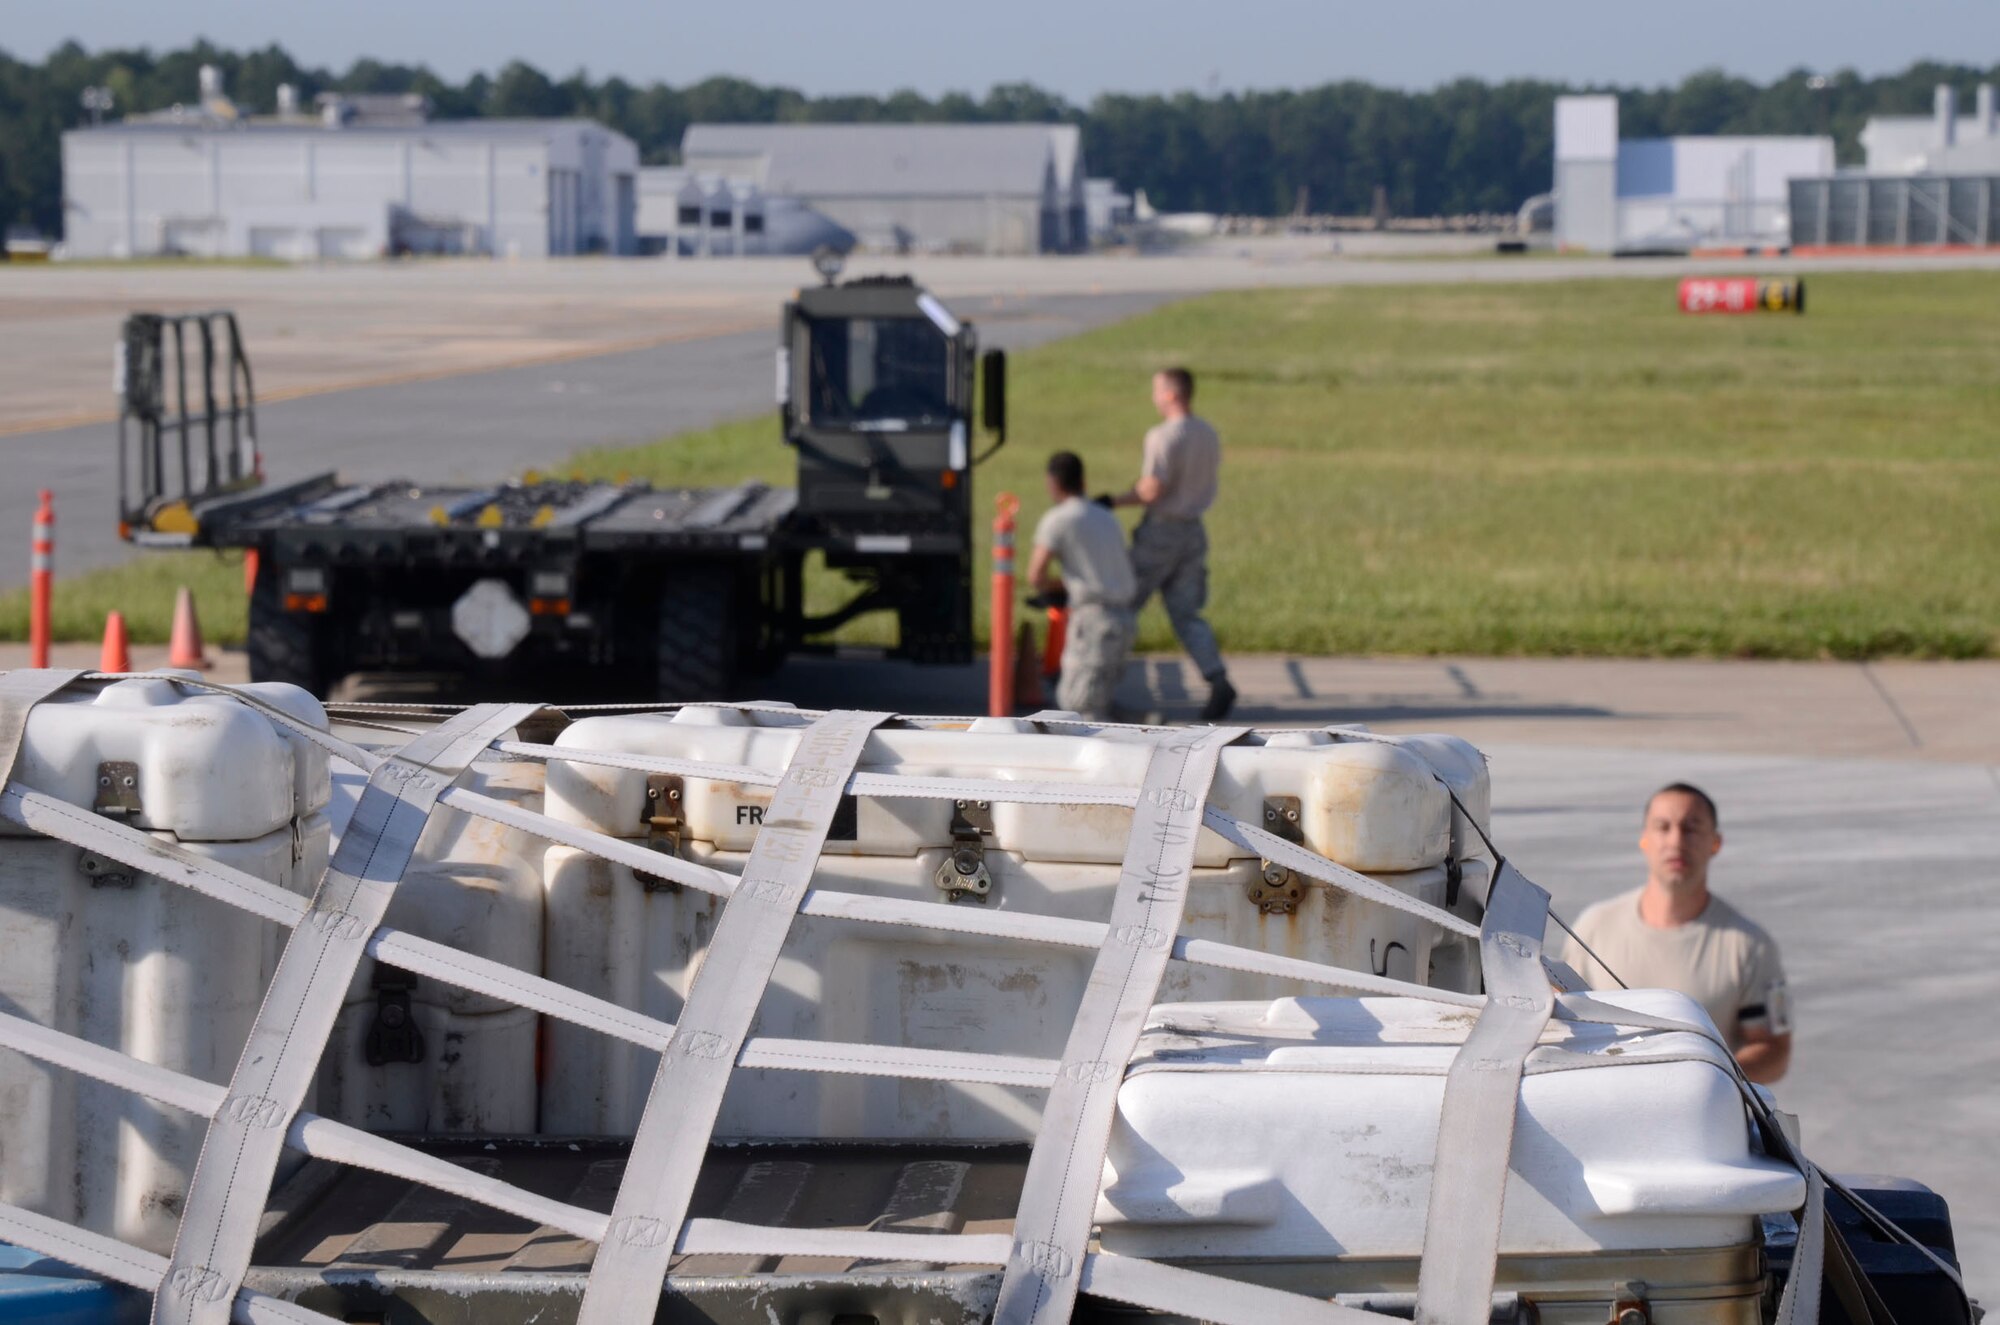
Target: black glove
x=1106, y=500
x=1043, y=601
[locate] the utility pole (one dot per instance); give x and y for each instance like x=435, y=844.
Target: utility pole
x=96, y=100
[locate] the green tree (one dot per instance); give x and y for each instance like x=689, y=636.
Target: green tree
x=525, y=92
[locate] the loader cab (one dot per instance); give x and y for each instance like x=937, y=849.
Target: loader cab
x=878, y=383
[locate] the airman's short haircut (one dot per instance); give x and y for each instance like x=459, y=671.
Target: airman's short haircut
x=1066, y=468
x=1182, y=381
x=1686, y=789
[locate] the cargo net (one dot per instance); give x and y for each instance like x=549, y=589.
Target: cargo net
x=1045, y=1262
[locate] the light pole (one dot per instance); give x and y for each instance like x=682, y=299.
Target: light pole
x=1818, y=84
x=96, y=100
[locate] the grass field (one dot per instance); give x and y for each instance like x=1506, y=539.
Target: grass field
x=1562, y=468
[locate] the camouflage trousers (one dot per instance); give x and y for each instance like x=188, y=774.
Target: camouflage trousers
x=1098, y=641
x=1170, y=558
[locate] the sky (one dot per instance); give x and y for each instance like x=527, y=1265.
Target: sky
x=1076, y=47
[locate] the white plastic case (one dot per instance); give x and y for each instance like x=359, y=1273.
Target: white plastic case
x=136, y=964
x=1302, y=1130
x=1373, y=805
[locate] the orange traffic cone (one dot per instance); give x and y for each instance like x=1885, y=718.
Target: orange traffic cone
x=116, y=656
x=184, y=648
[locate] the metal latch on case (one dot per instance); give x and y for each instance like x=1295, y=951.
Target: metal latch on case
x=963, y=873
x=118, y=790
x=117, y=798
x=1278, y=890
x=665, y=820
x=393, y=1036
x=104, y=873
x=1630, y=1308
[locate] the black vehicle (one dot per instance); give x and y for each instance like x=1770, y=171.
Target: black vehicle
x=668, y=592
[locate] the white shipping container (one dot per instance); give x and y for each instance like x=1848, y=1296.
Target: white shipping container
x=1301, y=1133
x=131, y=962
x=1373, y=805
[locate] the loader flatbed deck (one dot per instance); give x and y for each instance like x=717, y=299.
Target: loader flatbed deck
x=368, y=1246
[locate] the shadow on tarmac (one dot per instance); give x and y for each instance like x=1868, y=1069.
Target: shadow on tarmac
x=1157, y=686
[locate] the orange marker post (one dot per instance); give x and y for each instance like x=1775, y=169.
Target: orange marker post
x=42, y=581
x=1000, y=679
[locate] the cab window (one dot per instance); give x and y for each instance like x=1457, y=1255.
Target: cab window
x=874, y=370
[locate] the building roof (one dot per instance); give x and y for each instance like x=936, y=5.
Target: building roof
x=275, y=127
x=872, y=160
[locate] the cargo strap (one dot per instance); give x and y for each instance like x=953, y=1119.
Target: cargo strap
x=240, y=1153
x=20, y=691
x=1191, y=1295
x=1059, y=1193
x=175, y=864
x=1481, y=1094
x=679, y=1118
x=323, y=1138
x=135, y=1267
x=309, y=1134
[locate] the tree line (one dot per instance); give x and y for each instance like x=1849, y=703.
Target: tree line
x=1464, y=146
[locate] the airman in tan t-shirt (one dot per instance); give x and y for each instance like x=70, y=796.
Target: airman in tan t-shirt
x=1719, y=959
x=1674, y=933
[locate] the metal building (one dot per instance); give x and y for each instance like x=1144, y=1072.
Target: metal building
x=980, y=188
x=353, y=181
x=1671, y=194
x=1932, y=181
x=1896, y=211
x=1943, y=142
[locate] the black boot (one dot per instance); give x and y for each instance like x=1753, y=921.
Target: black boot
x=1221, y=699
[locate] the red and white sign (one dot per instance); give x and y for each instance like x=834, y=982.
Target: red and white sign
x=1740, y=294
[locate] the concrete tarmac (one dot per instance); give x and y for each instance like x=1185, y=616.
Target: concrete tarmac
x=476, y=427
x=315, y=328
